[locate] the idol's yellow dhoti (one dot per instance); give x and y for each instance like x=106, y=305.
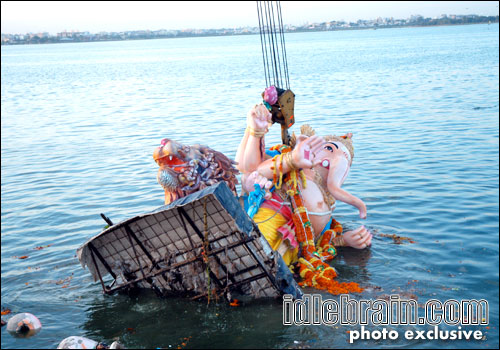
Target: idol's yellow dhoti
x=278, y=230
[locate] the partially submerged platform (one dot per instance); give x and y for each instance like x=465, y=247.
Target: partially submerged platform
x=199, y=242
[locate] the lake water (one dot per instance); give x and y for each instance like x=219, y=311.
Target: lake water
x=80, y=123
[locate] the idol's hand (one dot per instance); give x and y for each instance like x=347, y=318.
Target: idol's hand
x=304, y=155
x=259, y=118
x=359, y=238
x=256, y=178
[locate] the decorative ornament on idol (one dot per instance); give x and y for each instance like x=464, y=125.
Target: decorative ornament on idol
x=270, y=96
x=24, y=325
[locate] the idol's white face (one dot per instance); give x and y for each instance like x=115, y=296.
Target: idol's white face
x=330, y=151
x=335, y=162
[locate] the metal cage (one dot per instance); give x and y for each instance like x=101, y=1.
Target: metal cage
x=202, y=243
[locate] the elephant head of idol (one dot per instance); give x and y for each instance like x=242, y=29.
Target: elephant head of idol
x=336, y=159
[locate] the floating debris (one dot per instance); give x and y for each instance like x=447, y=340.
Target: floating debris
x=42, y=247
x=24, y=325
x=401, y=295
x=5, y=311
x=183, y=343
x=397, y=239
x=373, y=288
x=76, y=342
x=65, y=281
x=235, y=302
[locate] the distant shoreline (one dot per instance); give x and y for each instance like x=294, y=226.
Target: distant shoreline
x=190, y=35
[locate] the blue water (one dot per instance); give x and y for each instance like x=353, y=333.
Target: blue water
x=80, y=123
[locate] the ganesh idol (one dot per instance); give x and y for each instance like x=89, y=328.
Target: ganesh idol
x=306, y=179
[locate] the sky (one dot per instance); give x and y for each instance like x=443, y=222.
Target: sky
x=19, y=17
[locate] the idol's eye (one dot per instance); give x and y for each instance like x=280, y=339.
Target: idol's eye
x=330, y=148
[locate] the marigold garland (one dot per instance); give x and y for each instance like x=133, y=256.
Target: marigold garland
x=278, y=186
x=325, y=247
x=274, y=167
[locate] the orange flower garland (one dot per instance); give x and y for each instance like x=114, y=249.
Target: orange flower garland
x=325, y=247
